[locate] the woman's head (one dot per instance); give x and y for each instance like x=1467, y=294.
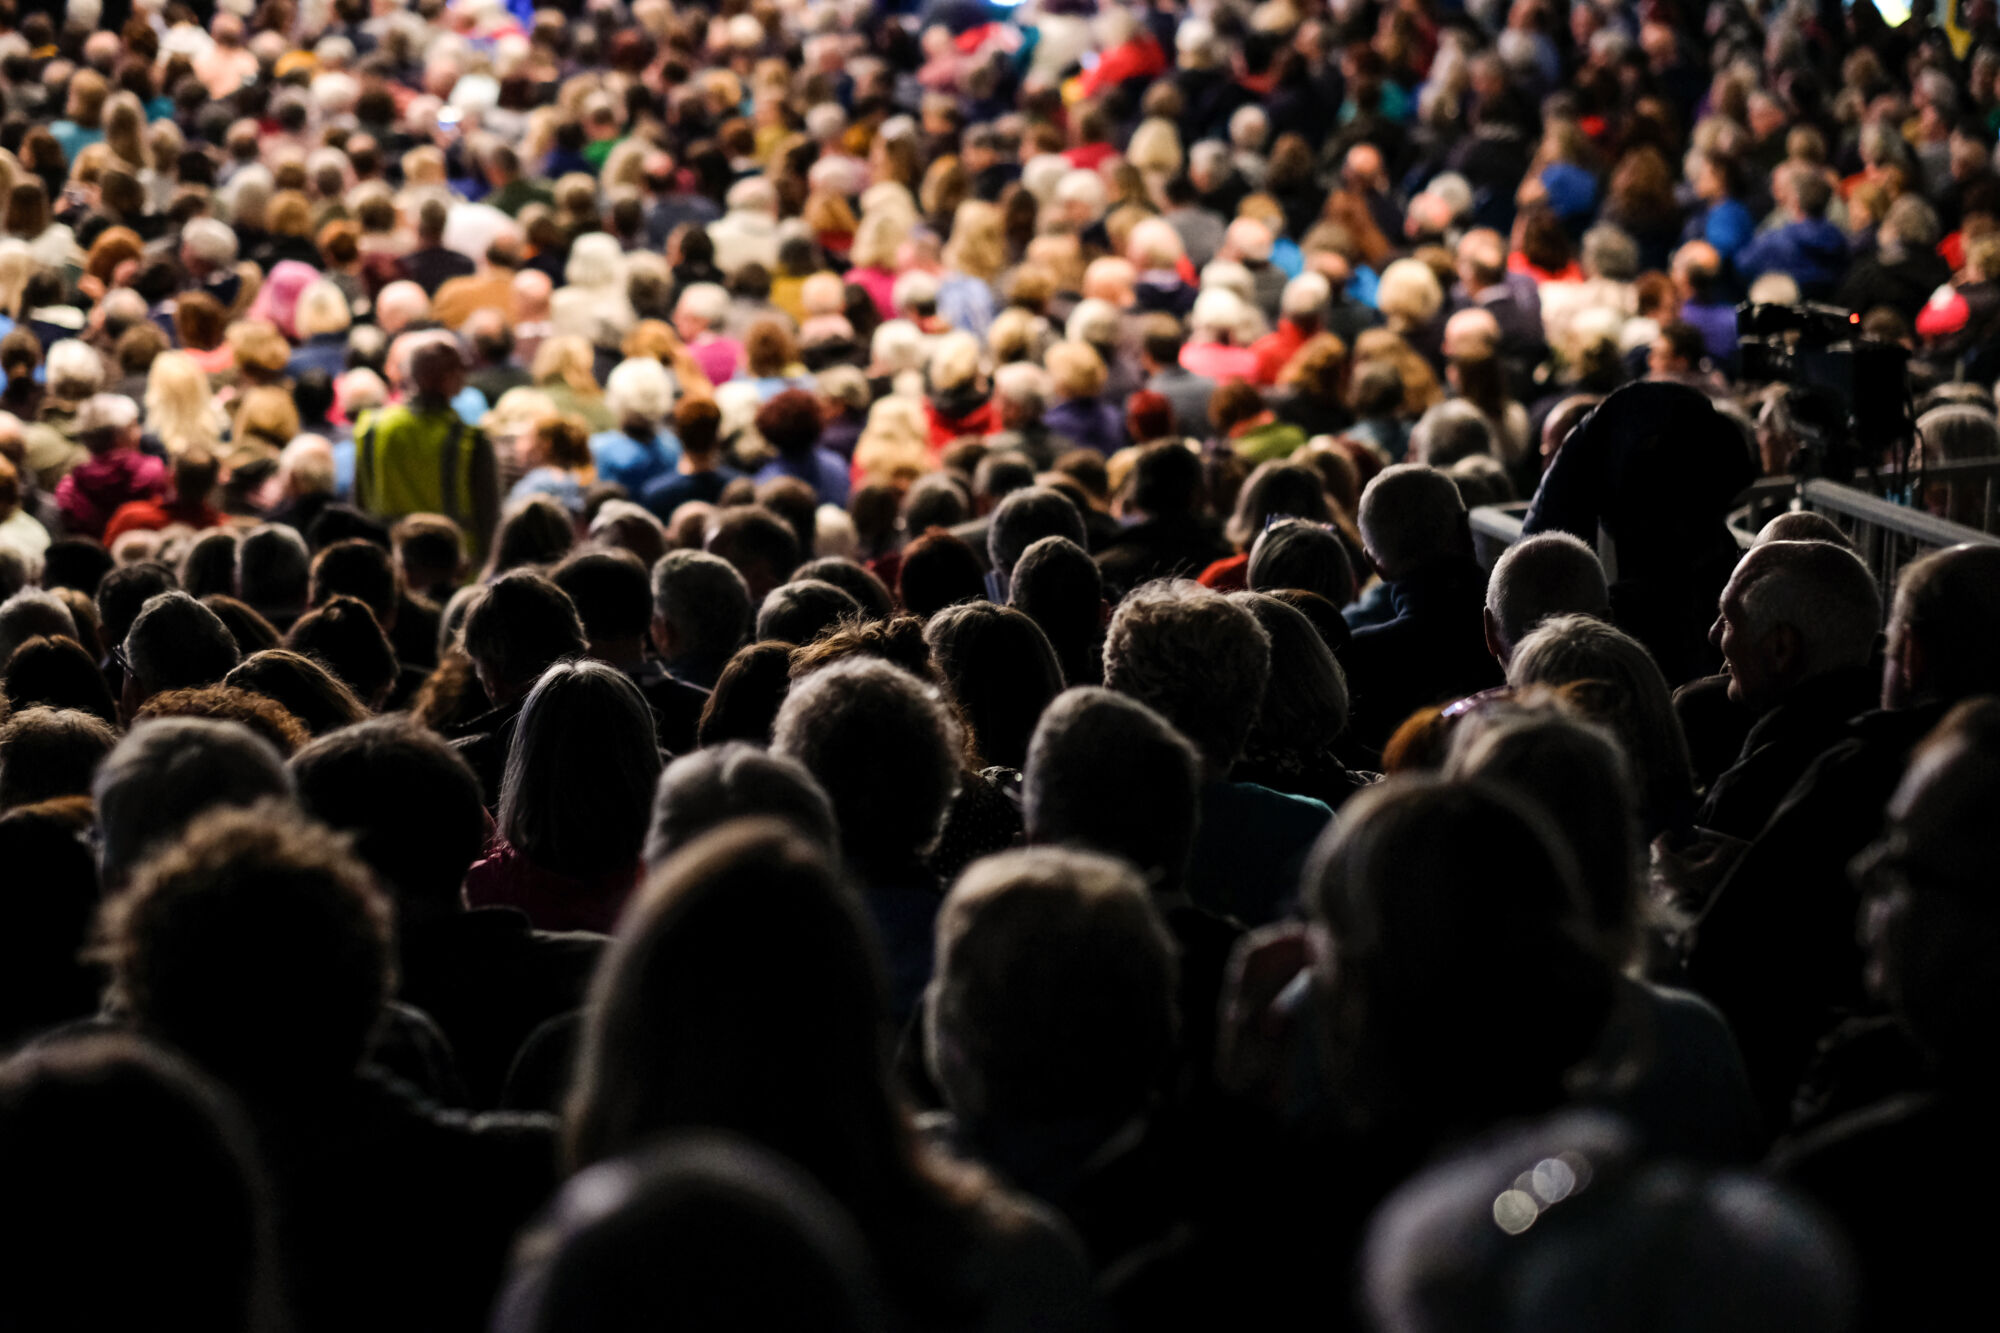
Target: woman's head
x=1001, y=671
x=1305, y=699
x=578, y=790
x=1457, y=982
x=743, y=992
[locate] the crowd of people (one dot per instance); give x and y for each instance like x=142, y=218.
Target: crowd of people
x=804, y=665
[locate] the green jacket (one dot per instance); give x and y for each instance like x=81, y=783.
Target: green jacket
x=412, y=459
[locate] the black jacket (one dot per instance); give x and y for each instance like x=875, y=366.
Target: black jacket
x=1783, y=745
x=1433, y=650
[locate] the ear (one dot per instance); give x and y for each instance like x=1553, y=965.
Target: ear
x=663, y=637
x=1493, y=636
x=1788, y=649
x=1912, y=663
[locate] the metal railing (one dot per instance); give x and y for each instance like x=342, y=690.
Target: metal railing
x=1887, y=535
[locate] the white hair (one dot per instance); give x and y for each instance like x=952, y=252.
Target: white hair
x=897, y=345
x=210, y=241
x=1023, y=383
x=1041, y=173
x=595, y=261
x=1221, y=313
x=914, y=288
x=753, y=194
x=74, y=369
x=639, y=388
x=1249, y=128
x=706, y=301
x=826, y=120
x=1082, y=187
x=1093, y=321
x=1306, y=294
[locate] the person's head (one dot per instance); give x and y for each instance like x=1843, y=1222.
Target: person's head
x=1567, y=1222
x=613, y=597
x=273, y=572
x=1000, y=670
x=47, y=753
x=640, y=394
x=578, y=789
x=1310, y=557
x=1576, y=771
x=1053, y=993
x=516, y=629
x=175, y=643
x=702, y=1226
x=59, y=673
x=168, y=771
x=1025, y=517
x=1790, y=612
x=1058, y=586
x=120, y=1157
x=320, y=700
x=1549, y=574
x=225, y=703
x=886, y=750
x=344, y=635
x=1421, y=900
x=701, y=608
x=32, y=613
x=854, y=579
x=106, y=422
x=1944, y=629
x=716, y=786
x=259, y=945
x=1199, y=659
x=1627, y=693
x=1411, y=518
x=743, y=993
x=1304, y=708
x=430, y=552
x=763, y=547
x=802, y=610
x=358, y=568
x=1165, y=481
x=940, y=569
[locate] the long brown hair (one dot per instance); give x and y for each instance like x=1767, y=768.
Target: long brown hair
x=744, y=992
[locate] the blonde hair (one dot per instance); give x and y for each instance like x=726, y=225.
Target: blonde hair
x=180, y=408
x=1077, y=369
x=954, y=361
x=894, y=448
x=322, y=308
x=17, y=263
x=978, y=245
x=1155, y=147
x=1409, y=295
x=125, y=130
x=1018, y=335
x=878, y=238
x=568, y=360
x=266, y=413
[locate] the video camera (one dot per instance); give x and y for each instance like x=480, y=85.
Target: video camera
x=1848, y=394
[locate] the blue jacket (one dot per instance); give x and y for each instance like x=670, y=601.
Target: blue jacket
x=1812, y=250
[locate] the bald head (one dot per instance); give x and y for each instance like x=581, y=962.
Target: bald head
x=1471, y=333
x=1793, y=611
x=531, y=294
x=1411, y=516
x=1549, y=574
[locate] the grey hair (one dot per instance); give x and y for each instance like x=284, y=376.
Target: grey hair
x=30, y=612
x=1450, y=431
x=166, y=772
x=1025, y=517
x=1410, y=514
x=1548, y=574
x=1195, y=656
x=703, y=791
x=1610, y=252
x=1822, y=591
x=703, y=600
x=885, y=748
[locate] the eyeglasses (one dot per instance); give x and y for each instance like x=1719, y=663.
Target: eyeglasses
x=119, y=656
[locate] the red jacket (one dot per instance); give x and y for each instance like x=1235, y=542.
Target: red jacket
x=99, y=487
x=1140, y=58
